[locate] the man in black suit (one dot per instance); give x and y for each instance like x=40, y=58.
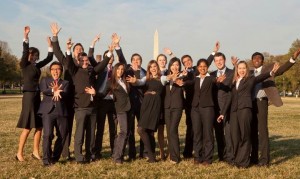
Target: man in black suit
x=54, y=113
x=225, y=151
x=264, y=93
x=78, y=48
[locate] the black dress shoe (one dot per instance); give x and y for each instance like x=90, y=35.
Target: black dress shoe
x=48, y=164
x=82, y=162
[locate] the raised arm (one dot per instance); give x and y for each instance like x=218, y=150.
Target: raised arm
x=91, y=51
x=210, y=58
x=116, y=40
x=287, y=65
x=49, y=57
x=262, y=77
x=169, y=52
x=99, y=68
x=55, y=29
x=25, y=56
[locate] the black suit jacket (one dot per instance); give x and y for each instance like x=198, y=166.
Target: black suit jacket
x=120, y=97
x=203, y=97
x=83, y=78
x=174, y=97
x=31, y=72
x=222, y=92
x=242, y=97
x=47, y=104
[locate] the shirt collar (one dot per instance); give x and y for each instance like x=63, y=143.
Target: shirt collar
x=199, y=76
x=258, y=69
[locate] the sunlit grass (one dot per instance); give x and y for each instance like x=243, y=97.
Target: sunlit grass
x=284, y=126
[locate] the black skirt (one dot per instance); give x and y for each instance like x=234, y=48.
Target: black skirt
x=30, y=105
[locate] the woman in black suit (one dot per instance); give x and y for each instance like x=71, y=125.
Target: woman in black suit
x=120, y=90
x=203, y=114
x=240, y=112
x=173, y=106
x=31, y=95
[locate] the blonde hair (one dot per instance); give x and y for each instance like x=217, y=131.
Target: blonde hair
x=236, y=75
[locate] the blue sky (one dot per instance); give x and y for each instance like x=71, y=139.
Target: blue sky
x=187, y=27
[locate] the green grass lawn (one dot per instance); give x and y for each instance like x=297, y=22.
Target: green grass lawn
x=284, y=127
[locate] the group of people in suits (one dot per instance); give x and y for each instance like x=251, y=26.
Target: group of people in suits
x=233, y=103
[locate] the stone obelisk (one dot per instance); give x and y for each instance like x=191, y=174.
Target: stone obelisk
x=155, y=48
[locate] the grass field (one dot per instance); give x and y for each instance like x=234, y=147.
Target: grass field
x=284, y=127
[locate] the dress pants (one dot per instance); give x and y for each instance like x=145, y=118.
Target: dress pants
x=49, y=122
x=240, y=125
x=85, y=125
x=260, y=133
x=203, y=119
x=121, y=138
x=133, y=113
x=172, y=118
x=105, y=108
x=228, y=151
x=70, y=118
x=220, y=139
x=188, y=147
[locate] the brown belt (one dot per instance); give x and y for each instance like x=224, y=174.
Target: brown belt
x=150, y=92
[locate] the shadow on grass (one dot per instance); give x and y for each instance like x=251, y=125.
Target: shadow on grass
x=283, y=149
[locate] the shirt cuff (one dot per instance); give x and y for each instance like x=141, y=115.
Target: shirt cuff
x=108, y=54
x=117, y=48
x=92, y=46
x=54, y=39
x=292, y=60
x=213, y=53
x=26, y=40
x=50, y=49
x=68, y=52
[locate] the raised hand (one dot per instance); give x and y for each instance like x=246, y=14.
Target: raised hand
x=220, y=118
x=54, y=85
x=111, y=47
x=90, y=90
x=296, y=54
x=96, y=39
x=217, y=47
x=55, y=29
x=56, y=95
x=234, y=60
x=116, y=39
x=168, y=51
x=26, y=31
x=69, y=43
x=275, y=68
x=131, y=79
x=49, y=41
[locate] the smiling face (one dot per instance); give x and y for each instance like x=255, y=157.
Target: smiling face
x=136, y=61
x=85, y=62
x=175, y=67
x=55, y=71
x=120, y=71
x=219, y=62
x=34, y=57
x=162, y=61
x=242, y=70
x=154, y=69
x=77, y=50
x=257, y=61
x=187, y=62
x=202, y=68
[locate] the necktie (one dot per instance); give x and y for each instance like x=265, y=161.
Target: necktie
x=220, y=72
